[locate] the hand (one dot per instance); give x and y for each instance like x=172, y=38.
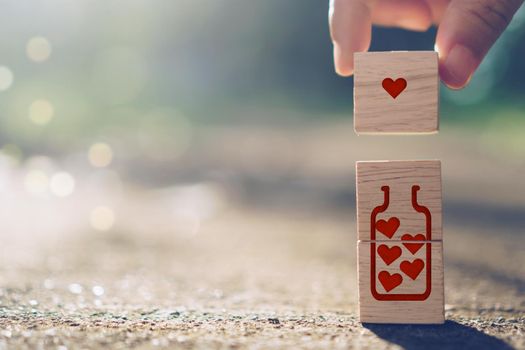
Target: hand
x=467, y=29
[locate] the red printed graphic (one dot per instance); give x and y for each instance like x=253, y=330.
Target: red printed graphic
x=391, y=285
x=412, y=269
x=394, y=87
x=413, y=247
x=389, y=254
x=388, y=228
x=389, y=281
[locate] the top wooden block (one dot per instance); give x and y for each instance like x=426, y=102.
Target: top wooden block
x=396, y=92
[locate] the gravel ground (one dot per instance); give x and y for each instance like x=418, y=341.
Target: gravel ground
x=240, y=253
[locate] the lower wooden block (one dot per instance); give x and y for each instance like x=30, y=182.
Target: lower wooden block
x=401, y=281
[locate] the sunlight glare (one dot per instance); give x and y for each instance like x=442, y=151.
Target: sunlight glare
x=62, y=184
x=38, y=49
x=100, y=155
x=6, y=78
x=102, y=218
x=41, y=111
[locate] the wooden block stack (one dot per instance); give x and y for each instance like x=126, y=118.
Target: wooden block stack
x=400, y=250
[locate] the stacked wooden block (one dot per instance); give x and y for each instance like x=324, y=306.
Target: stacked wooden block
x=400, y=250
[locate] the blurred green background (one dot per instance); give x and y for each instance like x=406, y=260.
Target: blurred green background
x=111, y=67
x=134, y=85
x=167, y=158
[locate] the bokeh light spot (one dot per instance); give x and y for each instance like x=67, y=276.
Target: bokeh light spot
x=13, y=152
x=100, y=155
x=102, y=218
x=41, y=112
x=36, y=182
x=38, y=49
x=75, y=288
x=6, y=78
x=62, y=184
x=98, y=290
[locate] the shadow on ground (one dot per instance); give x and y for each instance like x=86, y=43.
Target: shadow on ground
x=451, y=335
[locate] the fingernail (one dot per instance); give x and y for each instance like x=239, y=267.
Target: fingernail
x=458, y=67
x=414, y=24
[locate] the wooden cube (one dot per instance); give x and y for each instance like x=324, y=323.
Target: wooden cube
x=396, y=92
x=400, y=259
x=401, y=285
x=401, y=186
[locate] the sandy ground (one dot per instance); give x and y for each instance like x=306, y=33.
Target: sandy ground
x=248, y=241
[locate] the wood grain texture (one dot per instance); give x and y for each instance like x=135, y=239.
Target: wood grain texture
x=400, y=177
x=414, y=110
x=427, y=311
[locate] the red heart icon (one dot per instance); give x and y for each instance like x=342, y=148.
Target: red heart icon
x=388, y=228
x=394, y=88
x=389, y=281
x=412, y=269
x=389, y=255
x=413, y=247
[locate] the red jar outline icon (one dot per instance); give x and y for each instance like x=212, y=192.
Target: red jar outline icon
x=428, y=228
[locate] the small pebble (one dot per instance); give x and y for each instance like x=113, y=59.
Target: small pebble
x=274, y=321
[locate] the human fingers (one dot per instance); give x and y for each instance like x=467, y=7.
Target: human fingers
x=350, y=29
x=408, y=14
x=467, y=31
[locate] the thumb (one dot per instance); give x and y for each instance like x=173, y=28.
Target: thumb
x=467, y=31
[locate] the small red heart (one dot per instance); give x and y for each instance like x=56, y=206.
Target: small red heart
x=413, y=247
x=389, y=255
x=412, y=269
x=394, y=87
x=388, y=228
x=389, y=281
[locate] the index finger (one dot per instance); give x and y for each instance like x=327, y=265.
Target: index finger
x=350, y=29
